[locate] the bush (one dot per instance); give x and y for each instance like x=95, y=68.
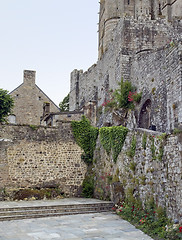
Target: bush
x=88, y=187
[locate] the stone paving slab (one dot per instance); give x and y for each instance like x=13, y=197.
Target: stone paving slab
x=64, y=201
x=97, y=226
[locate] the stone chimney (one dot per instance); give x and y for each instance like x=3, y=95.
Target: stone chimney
x=29, y=77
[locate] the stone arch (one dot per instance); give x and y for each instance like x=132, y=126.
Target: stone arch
x=145, y=115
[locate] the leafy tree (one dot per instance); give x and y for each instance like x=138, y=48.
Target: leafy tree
x=6, y=104
x=64, y=105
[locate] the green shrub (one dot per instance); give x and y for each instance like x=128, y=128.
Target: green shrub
x=88, y=187
x=151, y=219
x=121, y=94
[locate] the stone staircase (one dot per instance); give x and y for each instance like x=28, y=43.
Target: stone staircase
x=15, y=213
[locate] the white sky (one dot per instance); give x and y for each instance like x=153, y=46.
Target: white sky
x=52, y=37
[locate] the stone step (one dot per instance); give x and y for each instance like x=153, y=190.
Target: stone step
x=52, y=211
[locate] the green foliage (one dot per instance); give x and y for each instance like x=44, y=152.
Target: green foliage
x=132, y=166
x=177, y=131
x=143, y=180
x=144, y=141
x=109, y=179
x=113, y=138
x=131, y=152
x=162, y=139
x=118, y=136
x=105, y=138
x=137, y=97
x=64, y=105
x=6, y=104
x=88, y=187
x=85, y=136
x=151, y=219
x=123, y=97
x=33, y=127
x=152, y=147
x=121, y=94
x=161, y=152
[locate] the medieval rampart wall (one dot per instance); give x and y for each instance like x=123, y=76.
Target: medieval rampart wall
x=31, y=157
x=145, y=175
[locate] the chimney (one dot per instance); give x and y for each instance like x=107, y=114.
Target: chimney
x=29, y=77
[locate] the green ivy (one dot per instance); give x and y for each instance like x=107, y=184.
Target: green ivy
x=131, y=152
x=161, y=151
x=162, y=139
x=144, y=141
x=85, y=136
x=153, y=148
x=113, y=138
x=105, y=138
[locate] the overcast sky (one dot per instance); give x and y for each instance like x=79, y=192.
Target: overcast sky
x=52, y=37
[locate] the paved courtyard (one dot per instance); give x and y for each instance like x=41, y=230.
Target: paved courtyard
x=73, y=227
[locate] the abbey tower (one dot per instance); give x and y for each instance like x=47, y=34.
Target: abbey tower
x=112, y=10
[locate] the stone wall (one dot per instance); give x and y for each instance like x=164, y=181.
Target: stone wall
x=158, y=75
x=145, y=52
x=36, y=156
x=148, y=174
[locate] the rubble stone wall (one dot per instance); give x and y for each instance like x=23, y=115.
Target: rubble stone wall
x=35, y=156
x=148, y=174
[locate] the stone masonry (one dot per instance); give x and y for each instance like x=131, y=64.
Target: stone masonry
x=29, y=100
x=32, y=157
x=144, y=50
x=146, y=175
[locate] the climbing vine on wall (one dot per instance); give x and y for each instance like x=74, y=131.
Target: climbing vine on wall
x=144, y=140
x=113, y=138
x=131, y=152
x=105, y=138
x=85, y=136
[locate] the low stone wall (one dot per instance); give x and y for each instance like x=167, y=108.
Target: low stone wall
x=153, y=172
x=32, y=156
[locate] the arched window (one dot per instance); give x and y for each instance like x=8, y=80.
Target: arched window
x=145, y=115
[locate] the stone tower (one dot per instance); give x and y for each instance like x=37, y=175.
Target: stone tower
x=111, y=11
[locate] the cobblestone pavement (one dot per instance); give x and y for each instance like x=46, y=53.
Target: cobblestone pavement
x=73, y=227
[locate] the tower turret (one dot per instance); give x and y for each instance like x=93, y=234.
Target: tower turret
x=110, y=13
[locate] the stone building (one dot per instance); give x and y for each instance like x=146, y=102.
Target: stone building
x=29, y=101
x=140, y=41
